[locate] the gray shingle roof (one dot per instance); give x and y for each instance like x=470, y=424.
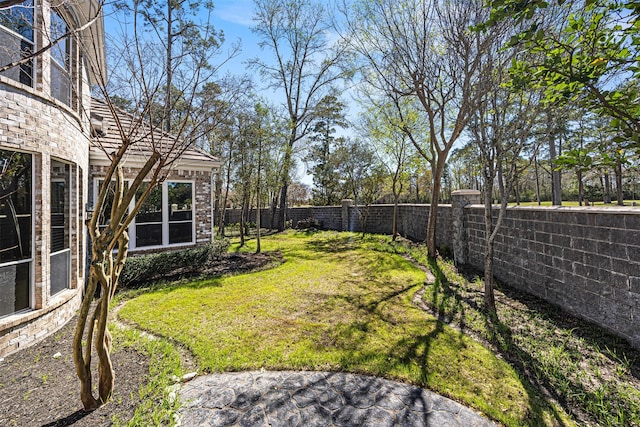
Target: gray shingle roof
x=107, y=139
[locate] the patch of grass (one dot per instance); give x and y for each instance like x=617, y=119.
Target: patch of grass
x=156, y=406
x=584, y=367
x=341, y=303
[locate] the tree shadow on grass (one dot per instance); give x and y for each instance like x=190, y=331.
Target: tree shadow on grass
x=554, y=331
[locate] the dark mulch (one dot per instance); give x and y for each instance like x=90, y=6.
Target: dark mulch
x=38, y=389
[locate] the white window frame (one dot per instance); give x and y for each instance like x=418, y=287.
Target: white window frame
x=36, y=29
x=131, y=230
x=165, y=212
x=69, y=228
x=31, y=260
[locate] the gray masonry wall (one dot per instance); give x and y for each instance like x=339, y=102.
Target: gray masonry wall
x=586, y=260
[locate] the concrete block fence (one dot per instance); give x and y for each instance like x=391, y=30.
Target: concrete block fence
x=586, y=260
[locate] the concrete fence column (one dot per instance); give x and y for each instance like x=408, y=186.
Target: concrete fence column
x=460, y=199
x=346, y=204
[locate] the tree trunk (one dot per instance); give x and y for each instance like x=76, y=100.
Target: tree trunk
x=243, y=214
x=433, y=207
x=396, y=197
x=82, y=362
x=580, y=187
x=489, y=298
x=535, y=168
x=282, y=215
x=607, y=188
x=395, y=217
x=274, y=207
x=556, y=182
x=619, y=192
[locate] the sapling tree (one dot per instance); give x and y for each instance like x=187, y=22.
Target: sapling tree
x=140, y=76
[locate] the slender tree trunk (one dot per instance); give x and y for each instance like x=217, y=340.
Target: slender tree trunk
x=396, y=198
x=242, y=222
x=274, y=207
x=169, y=68
x=535, y=168
x=489, y=298
x=433, y=207
x=580, y=187
x=619, y=192
x=282, y=215
x=258, y=194
x=556, y=182
x=607, y=188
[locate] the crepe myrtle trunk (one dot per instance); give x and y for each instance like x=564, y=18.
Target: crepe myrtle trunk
x=489, y=296
x=109, y=250
x=433, y=207
x=104, y=271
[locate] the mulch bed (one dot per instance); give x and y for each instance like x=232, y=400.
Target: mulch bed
x=38, y=389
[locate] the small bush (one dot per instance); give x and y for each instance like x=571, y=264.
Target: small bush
x=309, y=224
x=142, y=269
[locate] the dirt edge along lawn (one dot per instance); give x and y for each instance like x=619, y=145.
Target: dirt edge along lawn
x=337, y=303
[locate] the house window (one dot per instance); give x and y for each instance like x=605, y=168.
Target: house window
x=16, y=41
x=149, y=218
x=180, y=207
x=16, y=224
x=165, y=218
x=60, y=59
x=60, y=227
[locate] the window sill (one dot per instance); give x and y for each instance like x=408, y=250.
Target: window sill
x=25, y=316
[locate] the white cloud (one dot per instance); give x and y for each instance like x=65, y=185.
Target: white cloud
x=236, y=12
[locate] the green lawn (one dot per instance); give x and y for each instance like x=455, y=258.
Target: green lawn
x=337, y=303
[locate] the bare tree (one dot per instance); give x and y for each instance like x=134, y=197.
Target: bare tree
x=501, y=129
x=381, y=125
x=304, y=67
x=425, y=52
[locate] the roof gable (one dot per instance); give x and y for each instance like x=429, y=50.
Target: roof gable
x=106, y=139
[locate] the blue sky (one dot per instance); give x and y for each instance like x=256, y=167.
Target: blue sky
x=234, y=18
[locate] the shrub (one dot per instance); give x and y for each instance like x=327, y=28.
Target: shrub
x=142, y=269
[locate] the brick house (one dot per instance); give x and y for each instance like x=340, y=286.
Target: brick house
x=49, y=170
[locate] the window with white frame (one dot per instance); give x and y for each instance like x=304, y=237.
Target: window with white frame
x=180, y=207
x=148, y=220
x=164, y=219
x=16, y=231
x=61, y=83
x=60, y=227
x=17, y=41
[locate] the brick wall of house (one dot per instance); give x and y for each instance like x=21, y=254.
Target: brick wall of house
x=34, y=123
